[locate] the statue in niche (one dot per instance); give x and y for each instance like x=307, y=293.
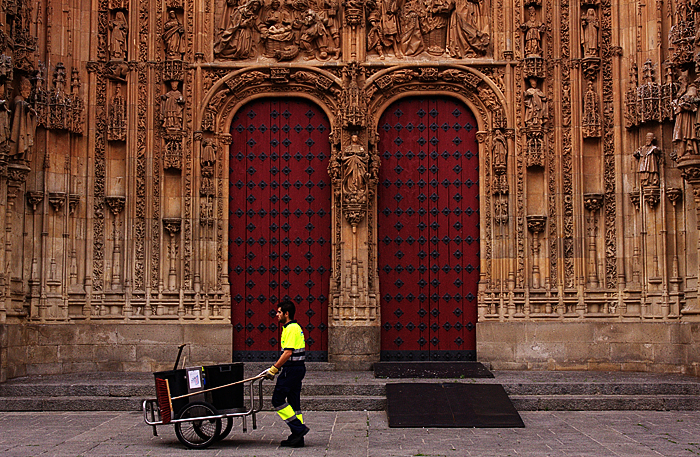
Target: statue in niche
x=388, y=11
x=116, y=125
x=648, y=156
x=434, y=25
x=172, y=107
x=467, y=32
x=685, y=108
x=315, y=40
x=375, y=36
x=500, y=152
x=173, y=32
x=276, y=30
x=117, y=40
x=590, y=124
x=355, y=162
x=533, y=30
x=24, y=121
x=589, y=33
x=236, y=41
x=208, y=158
x=412, y=16
x=535, y=105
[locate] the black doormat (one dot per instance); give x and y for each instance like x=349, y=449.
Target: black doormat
x=431, y=370
x=450, y=405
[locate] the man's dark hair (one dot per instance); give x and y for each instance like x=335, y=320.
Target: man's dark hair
x=287, y=307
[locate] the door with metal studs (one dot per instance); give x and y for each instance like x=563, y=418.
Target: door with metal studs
x=428, y=230
x=279, y=225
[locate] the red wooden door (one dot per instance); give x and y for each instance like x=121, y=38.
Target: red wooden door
x=279, y=225
x=428, y=230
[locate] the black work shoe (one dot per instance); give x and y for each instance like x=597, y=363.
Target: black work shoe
x=297, y=439
x=285, y=443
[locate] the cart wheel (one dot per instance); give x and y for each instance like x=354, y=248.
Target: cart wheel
x=225, y=430
x=197, y=433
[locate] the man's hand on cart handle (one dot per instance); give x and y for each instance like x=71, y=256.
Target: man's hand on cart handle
x=270, y=372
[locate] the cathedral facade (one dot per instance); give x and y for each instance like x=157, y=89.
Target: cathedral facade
x=515, y=182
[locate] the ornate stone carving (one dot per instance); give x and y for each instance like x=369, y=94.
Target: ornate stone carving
x=56, y=200
x=172, y=159
x=173, y=32
x=172, y=109
x=681, y=37
x=648, y=155
x=119, y=33
x=590, y=124
x=685, y=106
x=235, y=39
x=24, y=122
x=115, y=204
x=534, y=148
x=533, y=30
x=354, y=103
x=207, y=162
x=536, y=113
x=589, y=33
x=34, y=198
x=116, y=118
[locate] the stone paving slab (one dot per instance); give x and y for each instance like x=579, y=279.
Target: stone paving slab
x=361, y=434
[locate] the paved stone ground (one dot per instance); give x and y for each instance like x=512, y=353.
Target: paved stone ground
x=362, y=433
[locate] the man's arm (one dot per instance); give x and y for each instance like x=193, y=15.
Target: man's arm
x=283, y=358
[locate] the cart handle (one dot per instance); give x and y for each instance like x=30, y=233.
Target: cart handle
x=219, y=387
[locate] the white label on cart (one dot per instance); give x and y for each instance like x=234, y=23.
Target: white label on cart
x=194, y=379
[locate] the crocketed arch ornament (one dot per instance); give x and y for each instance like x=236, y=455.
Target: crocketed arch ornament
x=237, y=87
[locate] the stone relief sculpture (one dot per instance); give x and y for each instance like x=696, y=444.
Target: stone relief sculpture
x=315, y=40
x=119, y=33
x=535, y=105
x=172, y=107
x=500, y=152
x=648, y=156
x=411, y=22
x=375, y=35
x=589, y=33
x=173, y=30
x=5, y=126
x=388, y=11
x=590, y=124
x=236, y=40
x=276, y=32
x=685, y=108
x=354, y=162
x=467, y=33
x=24, y=123
x=533, y=30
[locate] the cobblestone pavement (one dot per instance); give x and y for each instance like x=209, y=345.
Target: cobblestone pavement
x=361, y=433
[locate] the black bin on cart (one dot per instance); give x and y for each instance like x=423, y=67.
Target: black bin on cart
x=228, y=398
x=177, y=381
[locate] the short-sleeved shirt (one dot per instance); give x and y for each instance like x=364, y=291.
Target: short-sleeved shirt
x=293, y=339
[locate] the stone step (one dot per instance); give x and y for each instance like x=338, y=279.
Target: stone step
x=606, y=402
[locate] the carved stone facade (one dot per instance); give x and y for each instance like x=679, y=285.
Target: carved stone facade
x=120, y=141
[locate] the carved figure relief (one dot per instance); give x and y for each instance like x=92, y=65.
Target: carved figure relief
x=375, y=35
x=277, y=34
x=535, y=105
x=236, y=40
x=685, y=108
x=388, y=12
x=119, y=34
x=467, y=33
x=24, y=122
x=533, y=29
x=173, y=31
x=354, y=162
x=5, y=126
x=172, y=107
x=589, y=33
x=500, y=153
x=116, y=123
x=316, y=41
x=648, y=156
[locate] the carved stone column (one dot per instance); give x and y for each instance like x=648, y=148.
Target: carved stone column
x=592, y=203
x=116, y=206
x=690, y=170
x=172, y=226
x=536, y=225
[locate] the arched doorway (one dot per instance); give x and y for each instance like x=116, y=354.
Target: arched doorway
x=279, y=225
x=428, y=230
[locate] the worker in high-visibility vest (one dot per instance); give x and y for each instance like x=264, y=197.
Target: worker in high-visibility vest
x=286, y=397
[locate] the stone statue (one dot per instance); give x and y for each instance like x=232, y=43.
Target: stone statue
x=236, y=41
x=500, y=152
x=533, y=30
x=589, y=33
x=208, y=158
x=173, y=31
x=412, y=14
x=434, y=23
x=23, y=124
x=330, y=16
x=172, y=108
x=648, y=156
x=315, y=40
x=685, y=108
x=535, y=105
x=467, y=32
x=355, y=162
x=117, y=40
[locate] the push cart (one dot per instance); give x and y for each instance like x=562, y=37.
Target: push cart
x=202, y=402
